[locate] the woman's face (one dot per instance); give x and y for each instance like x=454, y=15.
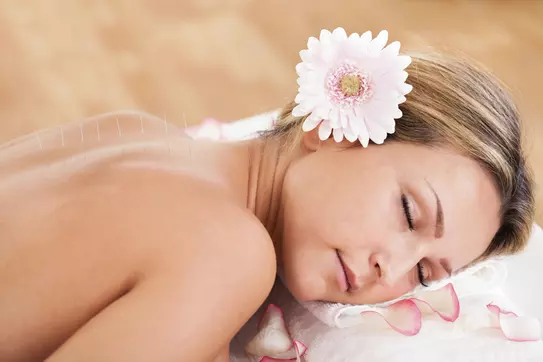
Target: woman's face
x=364, y=226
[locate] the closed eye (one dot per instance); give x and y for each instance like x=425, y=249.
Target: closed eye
x=422, y=277
x=407, y=211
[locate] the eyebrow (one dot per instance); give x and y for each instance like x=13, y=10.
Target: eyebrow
x=439, y=226
x=439, y=229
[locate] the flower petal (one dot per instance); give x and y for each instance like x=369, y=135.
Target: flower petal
x=361, y=55
x=305, y=55
x=378, y=43
x=322, y=111
x=350, y=135
x=358, y=125
x=325, y=35
x=443, y=301
x=403, y=61
x=301, y=68
x=376, y=132
x=272, y=337
x=311, y=122
x=338, y=134
x=324, y=130
x=405, y=88
x=295, y=353
x=300, y=111
x=343, y=118
x=397, y=113
x=352, y=46
x=366, y=38
x=334, y=118
x=515, y=328
x=300, y=97
x=313, y=44
x=402, y=316
x=388, y=124
x=392, y=49
x=339, y=35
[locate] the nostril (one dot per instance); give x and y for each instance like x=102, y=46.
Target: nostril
x=377, y=269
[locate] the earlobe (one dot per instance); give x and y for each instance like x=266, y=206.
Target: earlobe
x=311, y=140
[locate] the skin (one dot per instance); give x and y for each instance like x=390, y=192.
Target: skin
x=114, y=241
x=364, y=220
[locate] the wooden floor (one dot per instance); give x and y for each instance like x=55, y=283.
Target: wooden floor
x=62, y=60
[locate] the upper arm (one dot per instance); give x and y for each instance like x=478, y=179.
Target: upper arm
x=186, y=310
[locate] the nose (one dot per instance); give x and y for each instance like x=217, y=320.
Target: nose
x=396, y=260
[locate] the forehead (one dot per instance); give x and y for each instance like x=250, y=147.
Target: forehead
x=469, y=198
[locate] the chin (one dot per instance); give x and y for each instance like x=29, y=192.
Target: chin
x=303, y=290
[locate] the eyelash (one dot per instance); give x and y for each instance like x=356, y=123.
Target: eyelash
x=420, y=269
x=410, y=223
x=407, y=212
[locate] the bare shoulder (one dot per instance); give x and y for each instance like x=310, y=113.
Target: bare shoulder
x=223, y=238
x=211, y=266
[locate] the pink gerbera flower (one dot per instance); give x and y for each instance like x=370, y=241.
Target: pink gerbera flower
x=351, y=87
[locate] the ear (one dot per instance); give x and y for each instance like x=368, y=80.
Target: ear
x=312, y=142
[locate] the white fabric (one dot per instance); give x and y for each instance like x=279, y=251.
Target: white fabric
x=483, y=278
x=523, y=283
x=467, y=339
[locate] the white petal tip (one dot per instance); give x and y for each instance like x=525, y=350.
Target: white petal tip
x=364, y=142
x=299, y=111
x=407, y=88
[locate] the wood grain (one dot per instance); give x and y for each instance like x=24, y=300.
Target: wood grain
x=62, y=60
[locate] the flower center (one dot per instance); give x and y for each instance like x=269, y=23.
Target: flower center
x=348, y=87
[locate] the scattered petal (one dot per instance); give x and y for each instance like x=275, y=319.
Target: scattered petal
x=273, y=342
x=272, y=336
x=402, y=316
x=443, y=301
x=515, y=328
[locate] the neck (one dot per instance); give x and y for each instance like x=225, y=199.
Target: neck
x=267, y=169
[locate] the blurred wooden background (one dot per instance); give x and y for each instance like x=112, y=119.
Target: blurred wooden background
x=62, y=60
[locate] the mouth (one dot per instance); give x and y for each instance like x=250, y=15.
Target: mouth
x=345, y=283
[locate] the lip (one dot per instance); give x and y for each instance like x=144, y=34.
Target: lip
x=346, y=278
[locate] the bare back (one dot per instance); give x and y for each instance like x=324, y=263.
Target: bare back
x=92, y=210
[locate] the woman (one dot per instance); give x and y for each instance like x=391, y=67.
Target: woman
x=125, y=241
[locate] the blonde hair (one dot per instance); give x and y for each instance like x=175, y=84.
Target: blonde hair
x=456, y=104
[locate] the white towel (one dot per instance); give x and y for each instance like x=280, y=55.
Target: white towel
x=483, y=278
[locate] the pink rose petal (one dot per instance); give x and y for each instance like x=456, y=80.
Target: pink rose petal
x=443, y=301
x=273, y=342
x=515, y=328
x=402, y=316
x=294, y=354
x=272, y=336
